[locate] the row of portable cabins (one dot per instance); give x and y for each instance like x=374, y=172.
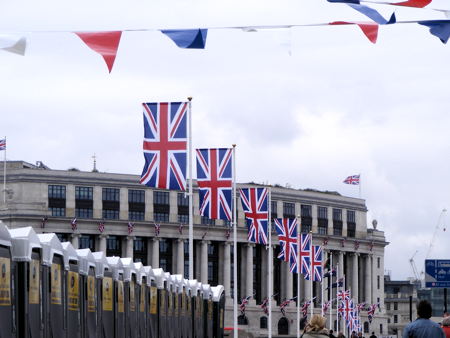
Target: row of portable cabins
x=49, y=289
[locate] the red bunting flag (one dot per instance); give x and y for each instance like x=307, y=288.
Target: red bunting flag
x=104, y=43
x=413, y=3
x=370, y=30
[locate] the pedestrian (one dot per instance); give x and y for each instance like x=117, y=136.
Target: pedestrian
x=340, y=335
x=373, y=335
x=446, y=326
x=360, y=335
x=316, y=327
x=331, y=335
x=423, y=327
x=353, y=335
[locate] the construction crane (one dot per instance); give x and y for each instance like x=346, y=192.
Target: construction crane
x=441, y=219
x=413, y=266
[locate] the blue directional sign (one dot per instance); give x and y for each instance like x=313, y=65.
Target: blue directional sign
x=437, y=273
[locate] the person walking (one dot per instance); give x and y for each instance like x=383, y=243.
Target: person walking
x=373, y=335
x=316, y=327
x=446, y=326
x=331, y=335
x=423, y=327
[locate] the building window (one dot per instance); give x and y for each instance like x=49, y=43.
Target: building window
x=378, y=262
x=337, y=222
x=87, y=242
x=388, y=306
x=288, y=210
x=183, y=208
x=161, y=206
x=57, y=200
x=213, y=263
x=322, y=220
x=111, y=203
x=273, y=212
x=165, y=254
x=366, y=327
x=113, y=246
x=140, y=250
x=207, y=221
x=84, y=202
x=306, y=218
x=378, y=282
x=395, y=319
x=381, y=328
x=136, y=205
x=351, y=223
x=395, y=306
x=186, y=259
x=263, y=322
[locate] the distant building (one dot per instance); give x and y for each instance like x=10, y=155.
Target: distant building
x=436, y=297
x=400, y=302
x=49, y=200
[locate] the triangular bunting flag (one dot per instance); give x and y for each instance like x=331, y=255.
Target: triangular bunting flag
x=13, y=44
x=104, y=43
x=187, y=38
x=370, y=30
x=413, y=3
x=439, y=28
x=367, y=11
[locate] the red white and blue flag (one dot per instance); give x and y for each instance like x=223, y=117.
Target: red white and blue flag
x=74, y=223
x=101, y=226
x=130, y=227
x=244, y=303
x=2, y=144
x=316, y=263
x=348, y=308
x=165, y=145
x=354, y=179
x=255, y=205
x=371, y=311
x=287, y=235
x=305, y=254
x=342, y=295
x=215, y=180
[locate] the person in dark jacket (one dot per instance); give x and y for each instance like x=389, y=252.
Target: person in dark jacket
x=423, y=327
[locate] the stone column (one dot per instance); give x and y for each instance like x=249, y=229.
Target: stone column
x=70, y=201
x=97, y=202
x=341, y=263
x=123, y=206
x=264, y=271
x=289, y=283
x=226, y=269
x=330, y=221
x=180, y=256
x=344, y=222
x=173, y=206
x=249, y=271
x=348, y=271
x=75, y=240
x=355, y=288
x=204, y=262
x=368, y=280
x=102, y=243
x=315, y=221
x=130, y=242
x=155, y=253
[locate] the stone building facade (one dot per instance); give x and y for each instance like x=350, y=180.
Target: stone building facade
x=49, y=200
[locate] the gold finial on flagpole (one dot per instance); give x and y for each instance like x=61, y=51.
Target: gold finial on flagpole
x=94, y=170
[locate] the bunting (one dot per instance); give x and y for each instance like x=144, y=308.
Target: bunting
x=370, y=30
x=14, y=44
x=187, y=38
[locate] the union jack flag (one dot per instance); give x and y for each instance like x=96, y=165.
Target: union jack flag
x=342, y=295
x=316, y=263
x=130, y=227
x=326, y=306
x=73, y=223
x=330, y=273
x=180, y=228
x=157, y=229
x=165, y=145
x=287, y=235
x=348, y=308
x=285, y=303
x=361, y=306
x=255, y=205
x=339, y=283
x=244, y=303
x=101, y=226
x=3, y=144
x=215, y=178
x=305, y=307
x=264, y=306
x=305, y=254
x=371, y=311
x=354, y=179
x=43, y=222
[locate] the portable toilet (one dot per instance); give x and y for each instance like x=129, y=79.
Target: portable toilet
x=162, y=302
x=53, y=284
x=188, y=310
x=8, y=324
x=179, y=306
x=142, y=295
x=129, y=281
x=73, y=290
x=199, y=311
x=207, y=311
x=119, y=296
x=27, y=254
x=105, y=296
x=88, y=292
x=193, y=287
x=170, y=306
x=218, y=297
x=152, y=331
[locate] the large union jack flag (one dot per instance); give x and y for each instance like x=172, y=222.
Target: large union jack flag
x=287, y=235
x=305, y=255
x=215, y=178
x=165, y=145
x=255, y=205
x=316, y=263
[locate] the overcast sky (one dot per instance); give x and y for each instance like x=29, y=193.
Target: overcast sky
x=306, y=106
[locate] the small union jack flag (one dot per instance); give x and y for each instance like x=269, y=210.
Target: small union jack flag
x=347, y=308
x=264, y=306
x=285, y=303
x=227, y=233
x=287, y=235
x=2, y=144
x=243, y=304
x=215, y=179
x=371, y=311
x=356, y=245
x=180, y=228
x=326, y=306
x=342, y=295
x=361, y=306
x=316, y=263
x=157, y=229
x=73, y=223
x=165, y=145
x=130, y=227
x=255, y=205
x=305, y=254
x=101, y=226
x=43, y=222
x=354, y=179
x=330, y=273
x=305, y=307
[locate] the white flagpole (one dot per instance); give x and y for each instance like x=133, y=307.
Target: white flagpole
x=321, y=284
x=4, y=175
x=298, y=278
x=191, y=220
x=330, y=281
x=359, y=185
x=235, y=281
x=270, y=262
x=337, y=301
x=311, y=275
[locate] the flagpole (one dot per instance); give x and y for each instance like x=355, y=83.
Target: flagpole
x=191, y=221
x=337, y=301
x=330, y=280
x=298, y=278
x=235, y=281
x=311, y=279
x=321, y=284
x=4, y=175
x=359, y=185
x=270, y=262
